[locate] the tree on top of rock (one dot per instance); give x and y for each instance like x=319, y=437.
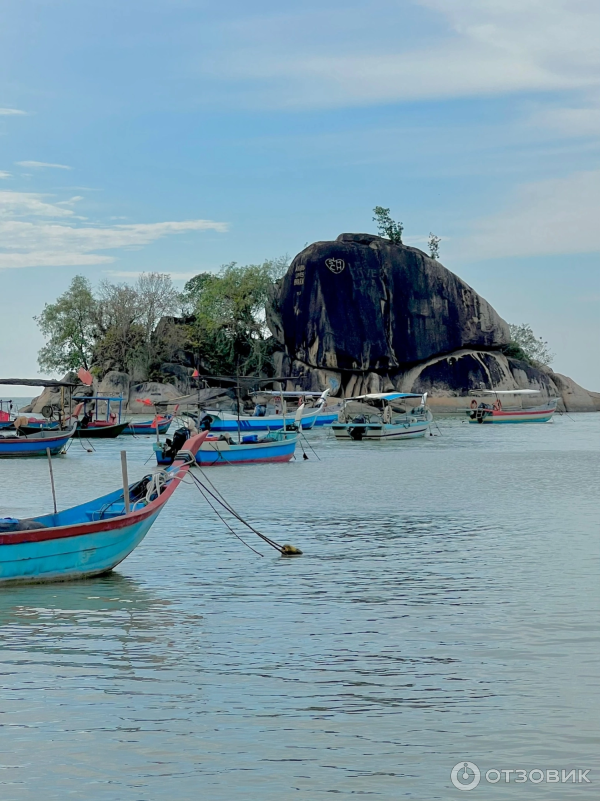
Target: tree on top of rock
x=386, y=226
x=526, y=346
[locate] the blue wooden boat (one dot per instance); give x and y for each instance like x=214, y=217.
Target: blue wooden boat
x=92, y=538
x=11, y=444
x=225, y=449
x=261, y=421
x=163, y=422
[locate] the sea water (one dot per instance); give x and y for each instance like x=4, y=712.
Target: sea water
x=445, y=610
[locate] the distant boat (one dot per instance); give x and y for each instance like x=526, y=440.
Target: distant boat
x=162, y=422
x=92, y=538
x=495, y=413
x=224, y=449
x=383, y=422
x=260, y=421
x=34, y=444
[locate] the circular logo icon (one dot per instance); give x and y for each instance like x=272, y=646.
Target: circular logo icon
x=465, y=776
x=335, y=265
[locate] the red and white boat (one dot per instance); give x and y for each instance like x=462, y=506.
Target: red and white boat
x=481, y=412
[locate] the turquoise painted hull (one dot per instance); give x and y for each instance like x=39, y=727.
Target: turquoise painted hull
x=227, y=422
x=71, y=557
x=89, y=539
x=215, y=452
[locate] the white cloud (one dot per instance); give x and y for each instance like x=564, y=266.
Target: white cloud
x=136, y=274
x=43, y=164
x=549, y=217
x=4, y=174
x=11, y=112
x=38, y=233
x=466, y=48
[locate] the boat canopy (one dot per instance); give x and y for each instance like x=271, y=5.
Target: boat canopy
x=386, y=396
x=508, y=392
x=286, y=394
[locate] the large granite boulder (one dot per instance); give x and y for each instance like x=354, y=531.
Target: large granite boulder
x=363, y=303
x=115, y=385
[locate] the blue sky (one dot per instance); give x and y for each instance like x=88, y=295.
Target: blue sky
x=178, y=135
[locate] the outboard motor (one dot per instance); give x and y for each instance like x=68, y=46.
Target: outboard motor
x=205, y=423
x=173, y=446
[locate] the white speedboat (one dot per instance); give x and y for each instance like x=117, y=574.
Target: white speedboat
x=386, y=421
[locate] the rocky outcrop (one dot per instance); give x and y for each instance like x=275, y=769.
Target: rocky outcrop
x=363, y=303
x=361, y=315
x=115, y=385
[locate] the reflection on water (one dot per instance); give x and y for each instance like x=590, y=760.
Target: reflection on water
x=445, y=609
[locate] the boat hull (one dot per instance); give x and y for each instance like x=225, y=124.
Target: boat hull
x=34, y=445
x=379, y=431
x=219, y=452
x=69, y=558
x=147, y=427
x=228, y=422
x=539, y=414
x=101, y=432
x=89, y=539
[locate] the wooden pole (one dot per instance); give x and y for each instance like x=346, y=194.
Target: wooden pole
x=125, y=481
x=51, y=478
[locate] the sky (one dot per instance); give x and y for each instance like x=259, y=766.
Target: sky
x=180, y=135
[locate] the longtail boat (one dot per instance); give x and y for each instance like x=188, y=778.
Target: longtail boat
x=92, y=538
x=35, y=444
x=260, y=420
x=162, y=422
x=108, y=431
x=225, y=449
x=375, y=417
x=495, y=413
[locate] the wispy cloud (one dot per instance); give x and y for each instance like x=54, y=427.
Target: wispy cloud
x=342, y=56
x=43, y=165
x=136, y=274
x=12, y=112
x=35, y=232
x=4, y=174
x=542, y=218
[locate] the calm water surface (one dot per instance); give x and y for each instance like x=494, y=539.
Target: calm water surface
x=445, y=609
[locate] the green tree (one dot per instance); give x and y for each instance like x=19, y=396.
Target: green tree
x=386, y=226
x=229, y=329
x=70, y=327
x=434, y=246
x=526, y=346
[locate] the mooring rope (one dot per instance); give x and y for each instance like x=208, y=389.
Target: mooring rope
x=213, y=492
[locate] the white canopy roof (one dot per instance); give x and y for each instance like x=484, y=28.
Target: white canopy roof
x=386, y=396
x=508, y=392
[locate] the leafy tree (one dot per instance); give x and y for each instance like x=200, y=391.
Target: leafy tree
x=434, y=246
x=70, y=327
x=229, y=330
x=386, y=226
x=524, y=343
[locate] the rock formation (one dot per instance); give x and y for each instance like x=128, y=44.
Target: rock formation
x=362, y=314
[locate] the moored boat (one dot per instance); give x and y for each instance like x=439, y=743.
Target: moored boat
x=261, y=421
x=481, y=412
x=379, y=418
x=92, y=538
x=34, y=444
x=225, y=449
x=162, y=422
